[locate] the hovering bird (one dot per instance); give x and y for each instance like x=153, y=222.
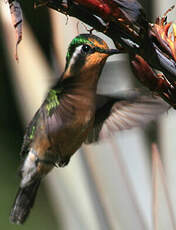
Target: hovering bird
x=73, y=113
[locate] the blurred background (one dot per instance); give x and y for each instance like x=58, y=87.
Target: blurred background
x=114, y=185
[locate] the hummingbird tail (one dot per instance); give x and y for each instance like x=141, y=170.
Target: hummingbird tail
x=24, y=202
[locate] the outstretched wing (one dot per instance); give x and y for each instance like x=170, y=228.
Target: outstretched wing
x=125, y=110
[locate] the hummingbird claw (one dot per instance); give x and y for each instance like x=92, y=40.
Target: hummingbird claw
x=55, y=165
x=63, y=162
x=45, y=161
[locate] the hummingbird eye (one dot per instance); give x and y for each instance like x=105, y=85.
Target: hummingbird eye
x=86, y=48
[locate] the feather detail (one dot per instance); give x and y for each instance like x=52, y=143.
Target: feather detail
x=125, y=110
x=24, y=202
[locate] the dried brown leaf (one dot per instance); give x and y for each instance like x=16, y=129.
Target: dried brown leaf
x=17, y=20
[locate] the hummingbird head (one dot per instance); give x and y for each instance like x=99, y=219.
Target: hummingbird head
x=86, y=52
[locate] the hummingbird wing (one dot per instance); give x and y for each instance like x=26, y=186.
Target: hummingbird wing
x=29, y=134
x=124, y=110
x=39, y=123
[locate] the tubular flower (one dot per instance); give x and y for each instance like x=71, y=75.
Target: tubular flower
x=165, y=33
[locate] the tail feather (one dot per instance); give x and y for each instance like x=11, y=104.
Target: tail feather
x=24, y=202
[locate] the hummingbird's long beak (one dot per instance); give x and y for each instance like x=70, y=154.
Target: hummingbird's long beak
x=111, y=51
x=107, y=51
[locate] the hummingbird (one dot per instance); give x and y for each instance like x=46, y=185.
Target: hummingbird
x=74, y=113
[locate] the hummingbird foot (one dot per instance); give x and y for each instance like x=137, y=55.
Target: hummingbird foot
x=63, y=162
x=45, y=161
